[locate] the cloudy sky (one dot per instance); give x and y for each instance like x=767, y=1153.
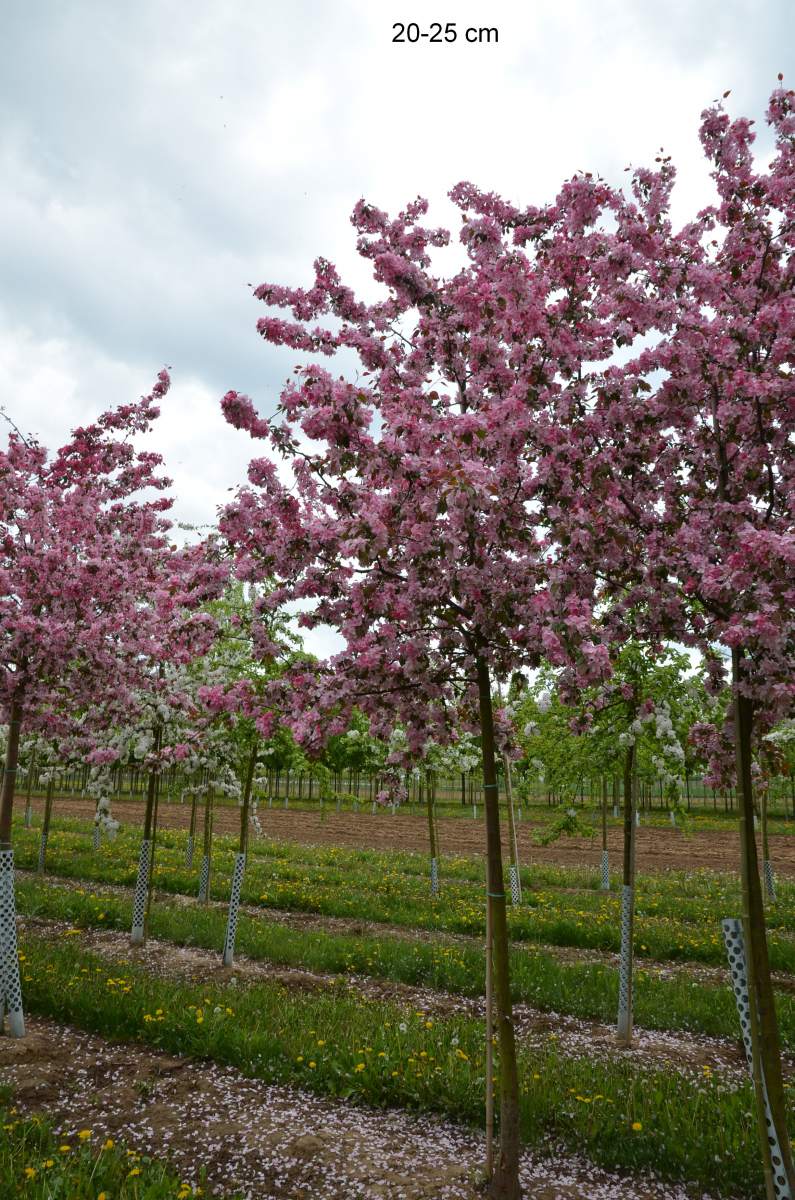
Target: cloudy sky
x=156, y=159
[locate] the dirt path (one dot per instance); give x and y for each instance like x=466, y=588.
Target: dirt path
x=269, y=1142
x=658, y=849
x=680, y=1051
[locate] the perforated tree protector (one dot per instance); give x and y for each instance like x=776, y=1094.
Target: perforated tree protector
x=516, y=885
x=42, y=850
x=625, y=964
x=605, y=871
x=204, y=878
x=10, y=987
x=141, y=888
x=735, y=950
x=234, y=909
x=770, y=883
x=189, y=853
x=434, y=877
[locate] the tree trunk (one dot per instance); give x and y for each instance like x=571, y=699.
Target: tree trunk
x=624, y=1026
x=204, y=874
x=767, y=865
x=45, y=827
x=240, y=863
x=513, y=845
x=605, y=853
x=141, y=896
x=192, y=830
x=429, y=800
x=504, y=1184
x=766, y=1046
x=10, y=772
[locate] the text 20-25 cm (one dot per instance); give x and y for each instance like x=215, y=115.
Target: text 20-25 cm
x=437, y=32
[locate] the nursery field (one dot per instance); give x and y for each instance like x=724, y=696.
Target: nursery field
x=708, y=841
x=343, y=1053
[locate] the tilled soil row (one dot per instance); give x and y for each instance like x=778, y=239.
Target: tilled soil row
x=657, y=849
x=594, y=1040
x=270, y=1142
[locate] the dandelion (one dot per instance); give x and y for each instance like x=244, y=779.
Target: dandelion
x=637, y=1126
x=64, y=1149
x=108, y=1144
x=84, y=1135
x=30, y=1172
x=359, y=1067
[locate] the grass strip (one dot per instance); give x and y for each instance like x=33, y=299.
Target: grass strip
x=588, y=991
x=388, y=896
x=620, y=1114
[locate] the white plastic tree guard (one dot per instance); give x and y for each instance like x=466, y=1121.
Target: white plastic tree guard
x=141, y=890
x=10, y=986
x=624, y=1027
x=738, y=966
x=204, y=878
x=234, y=909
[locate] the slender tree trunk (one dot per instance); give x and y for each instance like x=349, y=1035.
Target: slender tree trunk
x=513, y=845
x=766, y=1045
x=141, y=896
x=429, y=801
x=605, y=853
x=153, y=845
x=29, y=808
x=192, y=830
x=240, y=862
x=505, y=1180
x=767, y=865
x=624, y=1026
x=204, y=876
x=45, y=827
x=489, y=1043
x=10, y=768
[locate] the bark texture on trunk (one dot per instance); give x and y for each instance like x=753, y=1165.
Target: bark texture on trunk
x=504, y=1184
x=766, y=1045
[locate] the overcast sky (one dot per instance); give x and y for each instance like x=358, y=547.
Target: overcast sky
x=157, y=158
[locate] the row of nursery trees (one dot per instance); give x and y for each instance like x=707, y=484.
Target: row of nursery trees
x=569, y=454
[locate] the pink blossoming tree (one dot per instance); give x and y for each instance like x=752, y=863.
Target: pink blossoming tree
x=79, y=549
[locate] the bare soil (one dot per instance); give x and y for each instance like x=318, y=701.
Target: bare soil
x=267, y=1142
x=658, y=849
x=679, y=1051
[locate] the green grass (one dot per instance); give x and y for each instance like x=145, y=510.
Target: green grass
x=675, y=922
x=37, y=1164
x=588, y=991
x=335, y=1043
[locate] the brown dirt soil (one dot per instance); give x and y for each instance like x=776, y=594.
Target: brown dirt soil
x=266, y=1142
x=658, y=849
x=593, y=1039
